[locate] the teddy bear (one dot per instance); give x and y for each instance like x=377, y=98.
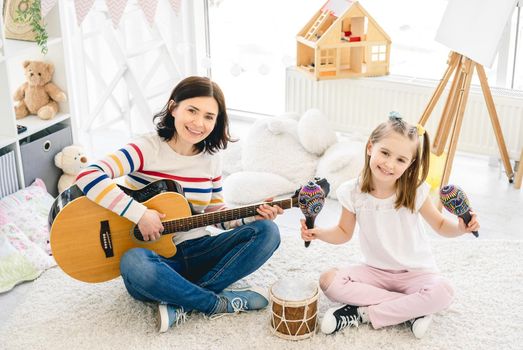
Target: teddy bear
x=71, y=159
x=278, y=155
x=38, y=95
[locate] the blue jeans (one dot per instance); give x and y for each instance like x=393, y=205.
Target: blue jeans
x=201, y=267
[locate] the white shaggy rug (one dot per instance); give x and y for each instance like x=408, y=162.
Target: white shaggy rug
x=61, y=313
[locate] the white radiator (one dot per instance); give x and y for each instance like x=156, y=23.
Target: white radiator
x=8, y=175
x=359, y=105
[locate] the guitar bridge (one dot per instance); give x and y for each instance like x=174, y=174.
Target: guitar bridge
x=105, y=239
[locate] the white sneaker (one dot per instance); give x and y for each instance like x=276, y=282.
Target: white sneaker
x=168, y=315
x=419, y=326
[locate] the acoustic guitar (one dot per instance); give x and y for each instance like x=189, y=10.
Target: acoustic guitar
x=88, y=241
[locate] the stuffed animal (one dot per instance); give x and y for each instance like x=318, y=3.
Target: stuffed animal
x=71, y=160
x=279, y=155
x=38, y=95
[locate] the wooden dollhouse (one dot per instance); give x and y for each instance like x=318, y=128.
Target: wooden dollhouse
x=343, y=41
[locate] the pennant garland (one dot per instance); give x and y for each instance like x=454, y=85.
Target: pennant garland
x=115, y=7
x=46, y=6
x=149, y=9
x=82, y=8
x=176, y=5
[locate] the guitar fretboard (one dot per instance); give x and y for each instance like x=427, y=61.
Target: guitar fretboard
x=206, y=219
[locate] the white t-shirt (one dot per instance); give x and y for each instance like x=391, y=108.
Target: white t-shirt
x=390, y=239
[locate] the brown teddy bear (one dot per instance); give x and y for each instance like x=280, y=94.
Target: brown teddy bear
x=38, y=95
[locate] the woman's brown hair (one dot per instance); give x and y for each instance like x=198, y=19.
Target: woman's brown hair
x=417, y=171
x=189, y=88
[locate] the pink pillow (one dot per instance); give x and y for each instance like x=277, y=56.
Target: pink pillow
x=28, y=209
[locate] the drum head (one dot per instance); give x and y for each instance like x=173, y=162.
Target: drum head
x=292, y=289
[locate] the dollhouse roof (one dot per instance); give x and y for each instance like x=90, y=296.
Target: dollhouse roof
x=337, y=7
x=340, y=9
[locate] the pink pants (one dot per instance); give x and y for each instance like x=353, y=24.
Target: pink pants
x=392, y=297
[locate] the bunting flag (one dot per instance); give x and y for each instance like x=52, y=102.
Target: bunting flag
x=149, y=9
x=116, y=8
x=82, y=8
x=46, y=6
x=176, y=5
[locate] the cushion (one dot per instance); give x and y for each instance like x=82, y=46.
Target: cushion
x=14, y=267
x=273, y=147
x=243, y=187
x=24, y=235
x=341, y=162
x=28, y=209
x=314, y=132
x=20, y=259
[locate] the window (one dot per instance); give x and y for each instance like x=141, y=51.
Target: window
x=253, y=42
x=327, y=57
x=378, y=53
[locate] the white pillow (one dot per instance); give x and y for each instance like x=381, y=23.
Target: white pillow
x=341, y=162
x=314, y=132
x=273, y=147
x=248, y=187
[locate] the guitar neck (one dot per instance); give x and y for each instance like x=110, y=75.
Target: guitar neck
x=206, y=219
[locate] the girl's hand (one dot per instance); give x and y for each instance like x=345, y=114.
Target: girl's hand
x=472, y=226
x=150, y=225
x=268, y=212
x=306, y=233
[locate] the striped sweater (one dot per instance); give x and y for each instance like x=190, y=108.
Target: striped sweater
x=148, y=159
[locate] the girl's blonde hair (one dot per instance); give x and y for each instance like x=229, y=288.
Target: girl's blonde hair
x=417, y=171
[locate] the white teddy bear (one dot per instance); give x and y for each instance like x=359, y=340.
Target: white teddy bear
x=279, y=155
x=71, y=160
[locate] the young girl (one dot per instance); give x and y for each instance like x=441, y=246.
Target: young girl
x=190, y=130
x=399, y=280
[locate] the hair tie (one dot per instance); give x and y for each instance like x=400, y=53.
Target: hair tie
x=420, y=129
x=394, y=116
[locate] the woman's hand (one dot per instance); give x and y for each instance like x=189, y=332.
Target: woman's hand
x=268, y=212
x=308, y=234
x=472, y=226
x=150, y=225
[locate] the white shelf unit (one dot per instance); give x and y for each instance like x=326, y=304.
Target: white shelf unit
x=12, y=54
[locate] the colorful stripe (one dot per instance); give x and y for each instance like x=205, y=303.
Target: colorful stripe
x=109, y=166
x=115, y=201
x=91, y=184
x=198, y=190
x=140, y=155
x=118, y=163
x=126, y=207
x=138, y=179
x=102, y=194
x=174, y=177
x=84, y=173
x=129, y=159
x=205, y=203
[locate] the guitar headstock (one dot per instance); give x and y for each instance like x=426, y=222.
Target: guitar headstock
x=324, y=185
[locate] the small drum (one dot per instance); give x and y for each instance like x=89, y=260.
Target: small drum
x=294, y=308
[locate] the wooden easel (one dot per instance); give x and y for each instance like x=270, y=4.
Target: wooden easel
x=454, y=110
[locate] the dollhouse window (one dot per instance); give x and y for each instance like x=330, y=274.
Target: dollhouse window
x=327, y=57
x=378, y=53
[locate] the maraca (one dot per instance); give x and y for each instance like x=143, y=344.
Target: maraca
x=311, y=199
x=455, y=201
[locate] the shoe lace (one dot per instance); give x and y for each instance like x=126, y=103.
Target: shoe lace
x=181, y=317
x=343, y=321
x=238, y=305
